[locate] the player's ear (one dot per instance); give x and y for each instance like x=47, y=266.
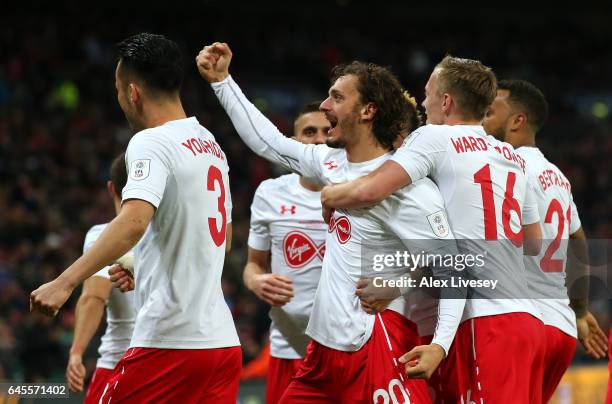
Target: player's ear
x=447, y=102
x=133, y=93
x=518, y=121
x=110, y=187
x=368, y=111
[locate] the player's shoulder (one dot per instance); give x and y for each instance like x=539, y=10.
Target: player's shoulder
x=273, y=184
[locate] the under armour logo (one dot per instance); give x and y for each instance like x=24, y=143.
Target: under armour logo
x=330, y=164
x=285, y=209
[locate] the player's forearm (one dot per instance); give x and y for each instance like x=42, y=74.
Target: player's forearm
x=251, y=270
x=259, y=134
x=578, y=272
x=89, y=311
x=117, y=239
x=451, y=305
x=368, y=190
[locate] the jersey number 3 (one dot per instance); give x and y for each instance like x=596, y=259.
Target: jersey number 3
x=217, y=234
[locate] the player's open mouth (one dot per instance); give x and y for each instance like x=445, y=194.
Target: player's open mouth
x=332, y=123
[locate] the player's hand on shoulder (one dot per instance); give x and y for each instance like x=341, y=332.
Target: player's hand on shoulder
x=50, y=297
x=121, y=278
x=213, y=62
x=274, y=289
x=423, y=360
x=75, y=373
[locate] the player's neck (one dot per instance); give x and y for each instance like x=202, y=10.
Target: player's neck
x=522, y=139
x=459, y=120
x=309, y=185
x=159, y=113
x=364, y=148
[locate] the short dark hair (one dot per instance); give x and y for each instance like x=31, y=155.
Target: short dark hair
x=118, y=173
x=309, y=108
x=527, y=97
x=376, y=84
x=153, y=59
x=472, y=84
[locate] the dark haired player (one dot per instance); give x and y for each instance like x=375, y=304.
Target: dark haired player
x=184, y=347
x=353, y=355
x=517, y=114
x=286, y=249
x=486, y=196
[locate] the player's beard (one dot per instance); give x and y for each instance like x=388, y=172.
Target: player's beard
x=498, y=133
x=346, y=126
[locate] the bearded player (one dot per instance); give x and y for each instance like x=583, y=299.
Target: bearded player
x=516, y=116
x=353, y=355
x=286, y=249
x=485, y=194
x=184, y=347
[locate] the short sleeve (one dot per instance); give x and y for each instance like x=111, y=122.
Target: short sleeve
x=148, y=163
x=259, y=231
x=575, y=223
x=530, y=206
x=422, y=152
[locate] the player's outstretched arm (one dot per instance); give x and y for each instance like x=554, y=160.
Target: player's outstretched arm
x=117, y=238
x=259, y=134
x=367, y=190
x=89, y=311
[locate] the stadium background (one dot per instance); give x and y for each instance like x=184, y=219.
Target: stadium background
x=60, y=124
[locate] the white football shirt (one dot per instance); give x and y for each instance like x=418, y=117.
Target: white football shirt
x=119, y=314
x=286, y=220
x=559, y=219
x=484, y=188
x=405, y=219
x=180, y=169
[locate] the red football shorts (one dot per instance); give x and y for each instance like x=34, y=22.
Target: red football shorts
x=151, y=375
x=96, y=385
x=560, y=349
x=369, y=375
x=280, y=373
x=497, y=359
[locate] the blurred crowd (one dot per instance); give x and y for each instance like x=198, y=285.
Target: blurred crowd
x=60, y=124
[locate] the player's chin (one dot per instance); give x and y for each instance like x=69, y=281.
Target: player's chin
x=335, y=140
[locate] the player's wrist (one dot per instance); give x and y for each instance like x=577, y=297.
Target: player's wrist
x=439, y=349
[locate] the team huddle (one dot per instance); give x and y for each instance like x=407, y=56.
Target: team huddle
x=369, y=180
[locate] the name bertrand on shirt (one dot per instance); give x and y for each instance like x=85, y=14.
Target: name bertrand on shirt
x=431, y=282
